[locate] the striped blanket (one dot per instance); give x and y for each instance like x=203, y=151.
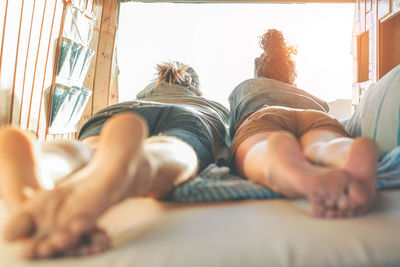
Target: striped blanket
x=218, y=184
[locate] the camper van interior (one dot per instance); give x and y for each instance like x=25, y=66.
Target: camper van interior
x=59, y=65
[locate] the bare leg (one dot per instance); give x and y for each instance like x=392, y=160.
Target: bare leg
x=358, y=157
x=120, y=168
x=17, y=166
x=277, y=161
x=19, y=172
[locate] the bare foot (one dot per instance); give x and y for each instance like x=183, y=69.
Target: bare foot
x=56, y=220
x=361, y=163
x=325, y=188
x=295, y=176
x=93, y=242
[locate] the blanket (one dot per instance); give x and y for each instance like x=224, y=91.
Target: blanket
x=216, y=183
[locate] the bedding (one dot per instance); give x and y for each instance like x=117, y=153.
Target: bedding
x=277, y=232
x=379, y=112
x=216, y=183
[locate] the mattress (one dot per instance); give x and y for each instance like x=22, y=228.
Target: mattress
x=270, y=232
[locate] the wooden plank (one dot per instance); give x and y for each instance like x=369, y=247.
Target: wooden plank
x=244, y=1
x=34, y=41
x=58, y=136
x=89, y=79
x=14, y=100
x=3, y=19
x=71, y=136
x=49, y=97
x=105, y=54
x=49, y=70
x=8, y=59
x=3, y=92
x=89, y=5
x=27, y=12
x=368, y=6
x=113, y=95
x=40, y=69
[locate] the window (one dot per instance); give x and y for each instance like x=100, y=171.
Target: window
x=389, y=51
x=220, y=41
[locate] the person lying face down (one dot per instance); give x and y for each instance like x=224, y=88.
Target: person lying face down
x=284, y=139
x=144, y=147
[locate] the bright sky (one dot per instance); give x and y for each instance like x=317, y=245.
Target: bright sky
x=220, y=41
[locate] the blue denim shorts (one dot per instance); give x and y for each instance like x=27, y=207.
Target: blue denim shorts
x=165, y=119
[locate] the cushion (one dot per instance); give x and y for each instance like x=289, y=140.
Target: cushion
x=378, y=113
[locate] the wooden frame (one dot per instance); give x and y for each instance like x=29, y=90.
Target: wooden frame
x=384, y=8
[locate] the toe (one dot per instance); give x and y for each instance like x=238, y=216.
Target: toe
x=63, y=241
x=97, y=248
x=330, y=213
x=317, y=210
x=20, y=225
x=330, y=202
x=44, y=249
x=28, y=249
x=343, y=202
x=100, y=237
x=359, y=199
x=81, y=225
x=334, y=213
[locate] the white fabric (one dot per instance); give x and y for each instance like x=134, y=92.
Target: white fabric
x=273, y=232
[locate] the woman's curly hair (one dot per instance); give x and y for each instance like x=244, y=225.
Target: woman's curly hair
x=276, y=61
x=178, y=73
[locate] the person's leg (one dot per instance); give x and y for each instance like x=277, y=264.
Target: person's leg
x=269, y=153
x=325, y=142
x=275, y=160
x=45, y=164
x=18, y=169
x=124, y=165
x=188, y=126
x=358, y=157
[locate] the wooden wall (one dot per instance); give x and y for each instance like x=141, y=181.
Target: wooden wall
x=29, y=32
x=102, y=76
x=376, y=42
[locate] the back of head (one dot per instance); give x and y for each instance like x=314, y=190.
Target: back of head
x=178, y=73
x=276, y=61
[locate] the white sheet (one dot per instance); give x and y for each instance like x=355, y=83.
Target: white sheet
x=274, y=232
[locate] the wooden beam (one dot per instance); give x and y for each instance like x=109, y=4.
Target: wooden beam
x=97, y=9
x=105, y=53
x=48, y=69
x=244, y=1
x=113, y=92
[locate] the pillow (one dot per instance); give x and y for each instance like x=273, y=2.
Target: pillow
x=378, y=114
